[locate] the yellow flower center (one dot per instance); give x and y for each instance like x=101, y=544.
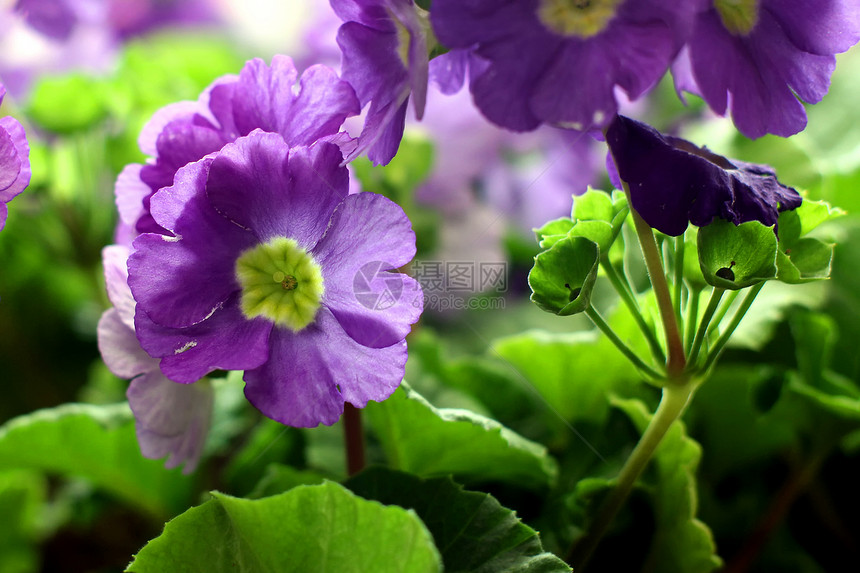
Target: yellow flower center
x=281, y=282
x=579, y=18
x=738, y=16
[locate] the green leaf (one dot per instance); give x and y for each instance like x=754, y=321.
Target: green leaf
x=575, y=372
x=814, y=335
x=807, y=260
x=681, y=543
x=97, y=443
x=21, y=496
x=421, y=439
x=474, y=532
x=279, y=478
x=553, y=231
x=599, y=232
x=737, y=256
x=67, y=104
x=563, y=277
x=593, y=205
x=317, y=528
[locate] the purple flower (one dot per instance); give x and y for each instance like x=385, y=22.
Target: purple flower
x=672, y=182
x=759, y=57
x=385, y=58
x=558, y=61
x=170, y=419
x=261, y=97
x=14, y=161
x=273, y=268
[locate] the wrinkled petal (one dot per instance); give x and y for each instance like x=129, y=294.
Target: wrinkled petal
x=14, y=159
x=264, y=99
x=370, y=235
x=130, y=192
x=309, y=375
x=120, y=349
x=260, y=184
x=115, y=262
x=181, y=280
x=171, y=419
x=224, y=341
x=673, y=183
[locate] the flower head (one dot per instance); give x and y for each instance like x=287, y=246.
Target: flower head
x=14, y=161
x=260, y=97
x=385, y=58
x=673, y=182
x=273, y=268
x=758, y=57
x=559, y=61
x=170, y=419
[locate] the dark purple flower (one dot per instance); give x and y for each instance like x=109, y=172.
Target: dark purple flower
x=14, y=160
x=673, y=182
x=758, y=57
x=261, y=97
x=273, y=268
x=559, y=61
x=385, y=58
x=170, y=419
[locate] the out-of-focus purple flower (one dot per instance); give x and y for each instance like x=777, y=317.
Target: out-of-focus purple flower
x=528, y=178
x=758, y=57
x=260, y=97
x=558, y=62
x=57, y=19
x=170, y=419
x=673, y=182
x=385, y=58
x=272, y=267
x=14, y=161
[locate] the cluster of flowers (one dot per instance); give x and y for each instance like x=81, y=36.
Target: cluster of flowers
x=243, y=242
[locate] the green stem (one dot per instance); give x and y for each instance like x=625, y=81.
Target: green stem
x=604, y=327
x=626, y=294
x=721, y=313
x=672, y=405
x=676, y=362
x=716, y=296
x=678, y=283
x=736, y=320
x=692, y=315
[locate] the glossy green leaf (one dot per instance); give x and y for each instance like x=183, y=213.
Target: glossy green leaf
x=97, y=443
x=469, y=446
x=800, y=258
x=321, y=528
x=474, y=533
x=563, y=276
x=599, y=232
x=681, y=543
x=737, y=256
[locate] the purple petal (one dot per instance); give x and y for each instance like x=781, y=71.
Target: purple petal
x=130, y=192
x=368, y=236
x=171, y=419
x=14, y=159
x=259, y=183
x=310, y=374
x=448, y=71
x=823, y=27
x=264, y=98
x=115, y=262
x=120, y=349
x=180, y=280
x=225, y=341
x=147, y=141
